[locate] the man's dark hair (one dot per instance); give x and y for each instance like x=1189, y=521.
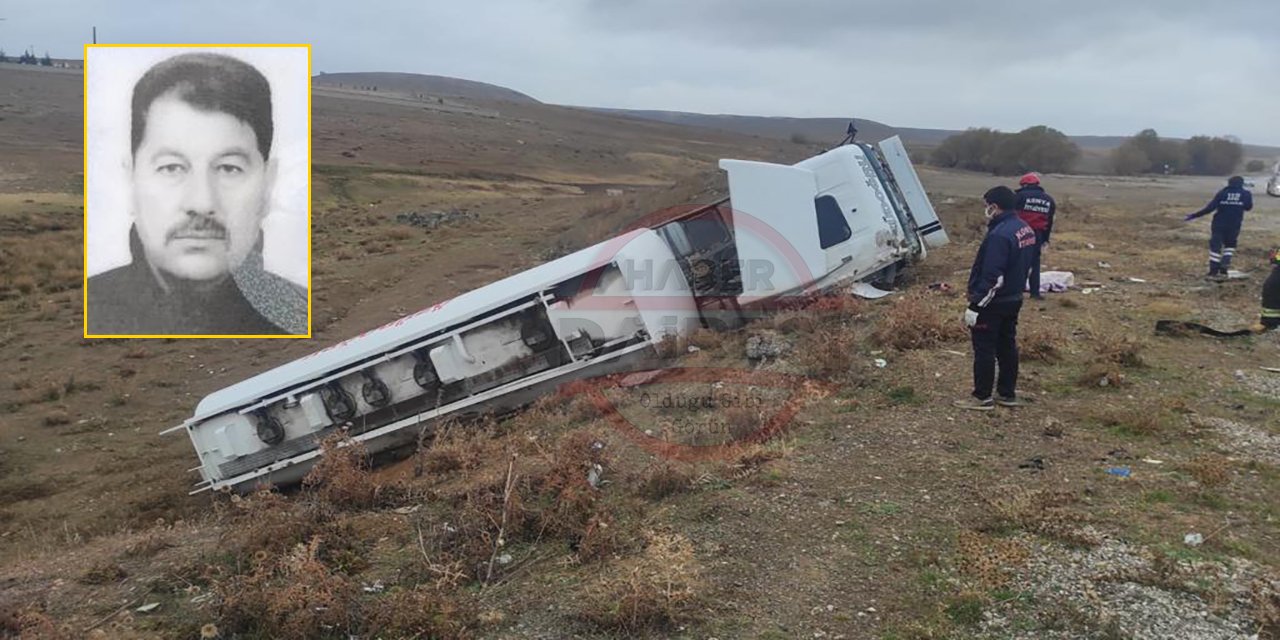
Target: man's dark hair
x=1235, y=181
x=1000, y=196
x=208, y=82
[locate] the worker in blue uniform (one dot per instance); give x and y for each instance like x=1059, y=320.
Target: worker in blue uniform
x=1228, y=207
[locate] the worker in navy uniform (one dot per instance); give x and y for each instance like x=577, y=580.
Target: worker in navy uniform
x=201, y=175
x=1228, y=207
x=996, y=282
x=1036, y=208
x=1269, y=319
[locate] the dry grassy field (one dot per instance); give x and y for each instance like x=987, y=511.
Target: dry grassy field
x=878, y=511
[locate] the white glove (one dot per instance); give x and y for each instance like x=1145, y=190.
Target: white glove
x=970, y=318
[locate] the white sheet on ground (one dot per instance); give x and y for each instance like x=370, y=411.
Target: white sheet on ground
x=1056, y=281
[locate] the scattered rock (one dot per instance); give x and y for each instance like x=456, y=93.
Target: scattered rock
x=434, y=219
x=766, y=344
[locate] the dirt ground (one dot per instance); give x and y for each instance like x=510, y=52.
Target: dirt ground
x=879, y=512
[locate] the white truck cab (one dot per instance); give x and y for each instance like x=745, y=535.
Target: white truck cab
x=856, y=212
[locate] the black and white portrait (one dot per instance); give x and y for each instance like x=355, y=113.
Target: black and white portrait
x=196, y=191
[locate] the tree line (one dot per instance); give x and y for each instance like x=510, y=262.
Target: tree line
x=28, y=57
x=1048, y=150
x=1038, y=148
x=1147, y=152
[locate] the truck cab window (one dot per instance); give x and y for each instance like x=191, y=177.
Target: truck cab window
x=832, y=226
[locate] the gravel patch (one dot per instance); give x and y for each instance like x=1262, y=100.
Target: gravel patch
x=1119, y=590
x=1243, y=440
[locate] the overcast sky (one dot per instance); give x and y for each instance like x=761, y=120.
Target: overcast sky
x=1107, y=67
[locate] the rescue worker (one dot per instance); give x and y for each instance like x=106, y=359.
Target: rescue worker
x=996, y=282
x=1036, y=208
x=1270, y=317
x=1229, y=206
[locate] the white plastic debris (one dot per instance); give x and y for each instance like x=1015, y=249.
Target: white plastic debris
x=593, y=476
x=504, y=558
x=1104, y=265
x=864, y=290
x=148, y=608
x=881, y=363
x=1193, y=539
x=1138, y=280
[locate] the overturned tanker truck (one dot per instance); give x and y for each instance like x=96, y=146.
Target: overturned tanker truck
x=857, y=212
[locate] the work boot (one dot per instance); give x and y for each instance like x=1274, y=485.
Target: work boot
x=975, y=404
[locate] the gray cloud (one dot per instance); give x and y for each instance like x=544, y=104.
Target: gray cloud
x=1087, y=67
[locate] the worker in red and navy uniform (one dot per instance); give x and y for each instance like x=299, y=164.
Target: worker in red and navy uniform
x=1036, y=208
x=996, y=282
x=1228, y=207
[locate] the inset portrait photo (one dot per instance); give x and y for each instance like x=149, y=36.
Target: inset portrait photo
x=197, y=191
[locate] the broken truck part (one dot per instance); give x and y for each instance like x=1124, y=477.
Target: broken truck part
x=855, y=213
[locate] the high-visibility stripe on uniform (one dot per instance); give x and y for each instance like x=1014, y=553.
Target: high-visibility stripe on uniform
x=1270, y=313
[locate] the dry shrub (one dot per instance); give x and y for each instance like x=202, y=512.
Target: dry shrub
x=342, y=477
x=1210, y=470
x=56, y=418
x=1102, y=374
x=292, y=596
x=570, y=507
x=989, y=560
x=706, y=339
x=837, y=307
x=149, y=544
x=30, y=623
x=827, y=352
x=421, y=612
x=1138, y=421
x=1117, y=349
x=267, y=524
x=792, y=322
x=660, y=588
x=1037, y=511
x=456, y=449
x=1043, y=344
x=916, y=321
x=103, y=572
x=398, y=233
x=664, y=478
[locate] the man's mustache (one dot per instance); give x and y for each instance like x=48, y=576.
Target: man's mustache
x=203, y=228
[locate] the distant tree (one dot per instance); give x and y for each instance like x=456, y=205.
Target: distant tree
x=27, y=58
x=3, y=58
x=1255, y=166
x=1038, y=148
x=972, y=150
x=1129, y=160
x=1213, y=156
x=46, y=61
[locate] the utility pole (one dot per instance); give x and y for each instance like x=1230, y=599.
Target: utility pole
x=95, y=35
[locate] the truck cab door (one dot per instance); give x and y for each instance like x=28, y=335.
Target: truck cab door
x=775, y=228
x=913, y=193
